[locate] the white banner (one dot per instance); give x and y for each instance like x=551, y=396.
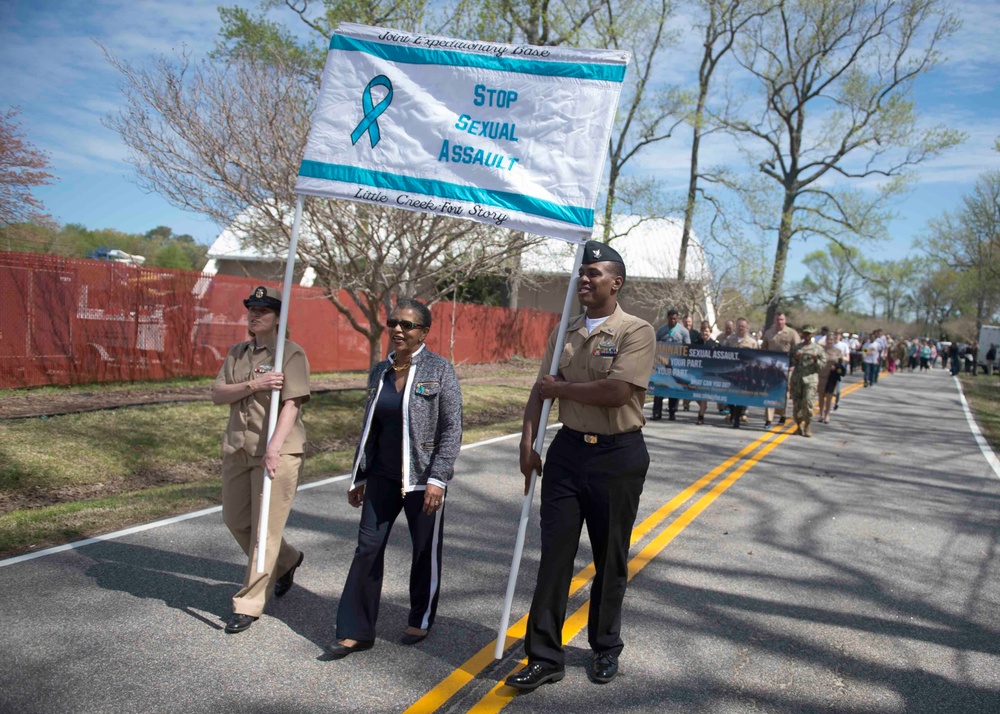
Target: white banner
x=511, y=135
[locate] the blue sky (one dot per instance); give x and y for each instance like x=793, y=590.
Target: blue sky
x=53, y=68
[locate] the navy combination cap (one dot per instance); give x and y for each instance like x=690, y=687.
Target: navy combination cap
x=264, y=297
x=597, y=252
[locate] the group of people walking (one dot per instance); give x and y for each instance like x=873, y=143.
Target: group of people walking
x=411, y=435
x=405, y=459
x=817, y=363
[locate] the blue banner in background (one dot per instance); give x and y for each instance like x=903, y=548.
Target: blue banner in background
x=752, y=378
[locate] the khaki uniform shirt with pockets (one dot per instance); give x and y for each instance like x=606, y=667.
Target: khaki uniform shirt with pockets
x=247, y=428
x=622, y=348
x=749, y=342
x=780, y=340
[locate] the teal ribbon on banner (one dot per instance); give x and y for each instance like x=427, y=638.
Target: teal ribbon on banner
x=372, y=111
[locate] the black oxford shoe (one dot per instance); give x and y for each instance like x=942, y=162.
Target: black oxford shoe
x=605, y=668
x=338, y=651
x=283, y=584
x=239, y=622
x=535, y=675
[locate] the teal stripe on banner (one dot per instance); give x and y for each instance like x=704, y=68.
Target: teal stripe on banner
x=443, y=189
x=418, y=55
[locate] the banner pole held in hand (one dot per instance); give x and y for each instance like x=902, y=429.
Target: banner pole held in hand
x=522, y=528
x=275, y=399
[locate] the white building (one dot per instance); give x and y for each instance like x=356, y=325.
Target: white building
x=650, y=247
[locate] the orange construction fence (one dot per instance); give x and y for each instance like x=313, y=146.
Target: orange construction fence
x=73, y=321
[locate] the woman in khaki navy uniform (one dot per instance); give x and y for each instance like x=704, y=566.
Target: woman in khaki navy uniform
x=594, y=469
x=245, y=383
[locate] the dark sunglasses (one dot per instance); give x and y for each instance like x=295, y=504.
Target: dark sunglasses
x=405, y=324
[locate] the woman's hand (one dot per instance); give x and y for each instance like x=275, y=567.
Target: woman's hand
x=271, y=461
x=433, y=499
x=356, y=495
x=267, y=381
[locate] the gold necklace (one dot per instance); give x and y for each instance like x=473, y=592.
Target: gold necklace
x=398, y=367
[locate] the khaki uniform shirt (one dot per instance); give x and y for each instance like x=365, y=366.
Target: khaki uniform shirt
x=749, y=342
x=247, y=428
x=780, y=340
x=622, y=347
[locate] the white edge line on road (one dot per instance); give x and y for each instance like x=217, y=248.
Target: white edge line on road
x=197, y=514
x=991, y=458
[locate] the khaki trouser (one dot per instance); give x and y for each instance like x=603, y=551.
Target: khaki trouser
x=803, y=398
x=242, y=484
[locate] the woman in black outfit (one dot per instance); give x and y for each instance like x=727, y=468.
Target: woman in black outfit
x=406, y=456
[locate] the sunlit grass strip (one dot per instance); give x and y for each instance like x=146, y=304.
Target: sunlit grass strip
x=122, y=452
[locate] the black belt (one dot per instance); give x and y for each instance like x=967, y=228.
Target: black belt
x=601, y=438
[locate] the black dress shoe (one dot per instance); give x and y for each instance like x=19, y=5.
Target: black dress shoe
x=284, y=583
x=239, y=622
x=411, y=639
x=339, y=651
x=605, y=668
x=535, y=675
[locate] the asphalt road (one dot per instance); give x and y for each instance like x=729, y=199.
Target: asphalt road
x=853, y=572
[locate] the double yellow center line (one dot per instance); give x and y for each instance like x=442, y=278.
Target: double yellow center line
x=499, y=695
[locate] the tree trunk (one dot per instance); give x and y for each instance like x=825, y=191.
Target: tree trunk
x=374, y=350
x=514, y=283
x=692, y=186
x=780, y=257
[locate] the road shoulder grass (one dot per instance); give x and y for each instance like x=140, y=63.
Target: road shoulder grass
x=983, y=394
x=80, y=475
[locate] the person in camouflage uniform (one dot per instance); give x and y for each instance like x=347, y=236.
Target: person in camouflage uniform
x=807, y=361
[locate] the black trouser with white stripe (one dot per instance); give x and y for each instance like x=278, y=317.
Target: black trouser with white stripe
x=359, y=603
x=600, y=485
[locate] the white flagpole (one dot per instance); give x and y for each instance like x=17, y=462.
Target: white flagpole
x=515, y=564
x=279, y=356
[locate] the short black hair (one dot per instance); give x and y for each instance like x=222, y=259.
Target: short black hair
x=418, y=307
x=672, y=311
x=616, y=269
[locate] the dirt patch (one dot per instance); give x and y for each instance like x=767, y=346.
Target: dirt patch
x=519, y=373
x=37, y=497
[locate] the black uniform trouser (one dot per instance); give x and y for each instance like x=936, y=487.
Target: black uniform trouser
x=359, y=603
x=658, y=406
x=600, y=485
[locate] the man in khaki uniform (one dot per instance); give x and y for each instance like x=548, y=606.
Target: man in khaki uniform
x=594, y=469
x=741, y=338
x=807, y=359
x=778, y=338
x=245, y=383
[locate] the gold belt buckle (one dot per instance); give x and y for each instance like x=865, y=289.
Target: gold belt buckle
x=590, y=438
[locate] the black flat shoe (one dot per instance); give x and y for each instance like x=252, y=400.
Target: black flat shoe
x=605, y=668
x=285, y=582
x=535, y=675
x=339, y=651
x=238, y=623
x=412, y=639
